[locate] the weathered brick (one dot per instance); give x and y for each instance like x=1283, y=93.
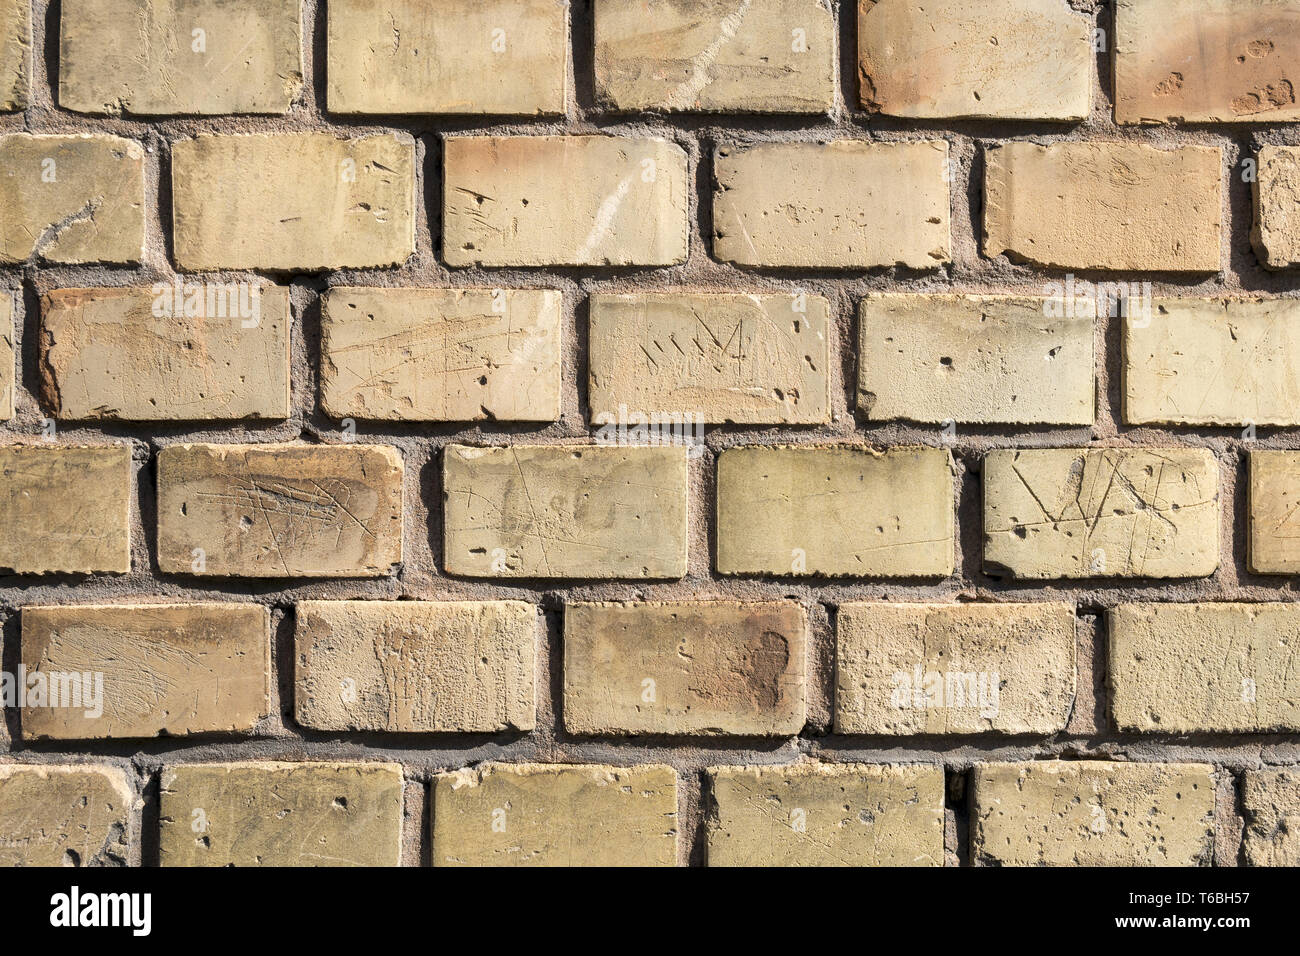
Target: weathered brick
x=1206, y=61
x=942, y=59
x=1101, y=512
x=1213, y=362
x=15, y=54
x=904, y=669
x=1271, y=801
x=416, y=666
x=750, y=359
x=991, y=359
x=815, y=814
x=8, y=358
x=1276, y=193
x=555, y=511
x=271, y=511
x=1273, y=507
x=846, y=204
x=709, y=667
x=555, y=815
x=71, y=200
x=508, y=57
x=776, y=56
x=1121, y=206
x=65, y=509
x=139, y=354
x=167, y=669
x=840, y=511
x=157, y=57
x=281, y=814
x=563, y=201
x=441, y=354
x=286, y=201
x=1092, y=813
x=64, y=815
x=1207, y=667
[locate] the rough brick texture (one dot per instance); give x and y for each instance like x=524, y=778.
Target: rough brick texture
x=846, y=511
x=604, y=513
x=1121, y=512
x=463, y=666
x=954, y=59
x=449, y=355
x=719, y=667
x=1119, y=206
x=849, y=204
x=166, y=354
x=65, y=509
x=1092, y=813
x=288, y=201
x=774, y=56
x=555, y=815
x=1206, y=61
x=820, y=815
x=281, y=814
x=159, y=57
x=954, y=668
x=980, y=359
x=675, y=432
x=71, y=199
x=167, y=669
x=268, y=511
x=507, y=57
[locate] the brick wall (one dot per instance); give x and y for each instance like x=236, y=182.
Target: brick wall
x=331, y=532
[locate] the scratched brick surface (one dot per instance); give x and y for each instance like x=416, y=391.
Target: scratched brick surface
x=674, y=432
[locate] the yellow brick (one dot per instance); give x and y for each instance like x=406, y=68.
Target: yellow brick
x=65, y=509
x=167, y=669
x=135, y=355
x=64, y=815
x=775, y=56
x=555, y=511
x=72, y=200
x=846, y=204
x=416, y=666
x=507, y=57
x=8, y=367
x=1206, y=61
x=1273, y=508
x=749, y=359
x=563, y=200
x=841, y=511
x=826, y=815
x=1120, y=206
x=708, y=667
x=988, y=359
x=158, y=57
x=555, y=815
x=306, y=201
x=1101, y=512
x=1276, y=233
x=441, y=354
x=1205, y=668
x=271, y=511
x=1271, y=801
x=281, y=814
x=15, y=54
x=1092, y=813
x=995, y=59
x=903, y=669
